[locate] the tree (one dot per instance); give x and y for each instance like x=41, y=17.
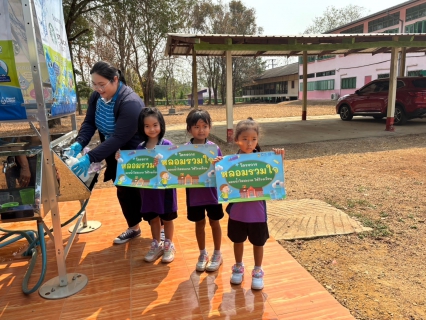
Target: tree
x=232, y=18
x=156, y=19
x=333, y=18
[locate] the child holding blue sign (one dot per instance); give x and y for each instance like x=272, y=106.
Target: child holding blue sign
x=157, y=203
x=202, y=200
x=248, y=219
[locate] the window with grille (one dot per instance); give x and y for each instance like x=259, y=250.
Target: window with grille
x=348, y=83
x=415, y=12
x=414, y=73
x=384, y=22
x=357, y=29
x=326, y=73
x=383, y=75
x=319, y=85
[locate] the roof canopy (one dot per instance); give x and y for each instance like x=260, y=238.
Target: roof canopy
x=292, y=45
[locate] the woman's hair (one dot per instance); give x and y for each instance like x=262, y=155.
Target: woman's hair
x=108, y=71
x=195, y=115
x=150, y=112
x=245, y=125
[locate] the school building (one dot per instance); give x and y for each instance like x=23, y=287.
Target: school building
x=274, y=85
x=332, y=76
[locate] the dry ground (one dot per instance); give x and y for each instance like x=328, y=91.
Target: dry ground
x=381, y=182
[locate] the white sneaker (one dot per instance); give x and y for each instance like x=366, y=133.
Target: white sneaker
x=202, y=262
x=214, y=263
x=257, y=279
x=154, y=252
x=169, y=252
x=237, y=274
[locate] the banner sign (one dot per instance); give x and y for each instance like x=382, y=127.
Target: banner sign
x=250, y=177
x=11, y=98
x=50, y=19
x=136, y=168
x=185, y=166
x=22, y=57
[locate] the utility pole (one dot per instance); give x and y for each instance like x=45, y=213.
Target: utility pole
x=272, y=63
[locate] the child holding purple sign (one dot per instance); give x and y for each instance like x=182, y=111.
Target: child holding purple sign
x=202, y=200
x=248, y=219
x=158, y=205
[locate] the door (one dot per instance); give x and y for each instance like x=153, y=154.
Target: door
x=366, y=99
x=367, y=79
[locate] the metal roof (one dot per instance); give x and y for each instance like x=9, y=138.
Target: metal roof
x=289, y=69
x=292, y=45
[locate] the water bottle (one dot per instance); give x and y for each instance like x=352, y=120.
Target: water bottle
x=72, y=161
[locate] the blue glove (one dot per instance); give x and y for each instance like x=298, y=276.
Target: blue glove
x=82, y=166
x=76, y=148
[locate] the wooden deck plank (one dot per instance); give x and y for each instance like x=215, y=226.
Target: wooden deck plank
x=123, y=286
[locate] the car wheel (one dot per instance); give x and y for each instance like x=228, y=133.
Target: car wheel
x=399, y=118
x=345, y=113
x=378, y=117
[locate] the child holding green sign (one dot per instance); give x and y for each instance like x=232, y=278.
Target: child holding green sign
x=157, y=204
x=248, y=219
x=202, y=200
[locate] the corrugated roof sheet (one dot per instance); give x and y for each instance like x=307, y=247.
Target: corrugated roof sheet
x=292, y=45
x=280, y=71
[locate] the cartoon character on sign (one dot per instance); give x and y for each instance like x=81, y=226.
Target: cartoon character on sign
x=121, y=179
x=225, y=191
x=165, y=177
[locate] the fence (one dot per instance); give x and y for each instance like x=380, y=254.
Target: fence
x=183, y=102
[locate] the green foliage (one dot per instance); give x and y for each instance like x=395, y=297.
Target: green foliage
x=84, y=90
x=333, y=18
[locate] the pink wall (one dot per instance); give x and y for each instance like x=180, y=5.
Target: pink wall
x=361, y=65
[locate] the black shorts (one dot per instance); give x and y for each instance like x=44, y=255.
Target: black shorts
x=166, y=216
x=257, y=232
x=197, y=213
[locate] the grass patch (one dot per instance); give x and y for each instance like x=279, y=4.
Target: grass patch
x=334, y=204
x=383, y=214
x=380, y=229
x=352, y=203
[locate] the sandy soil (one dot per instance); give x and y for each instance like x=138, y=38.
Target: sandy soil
x=381, y=182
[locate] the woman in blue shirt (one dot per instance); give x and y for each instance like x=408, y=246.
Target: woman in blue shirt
x=113, y=110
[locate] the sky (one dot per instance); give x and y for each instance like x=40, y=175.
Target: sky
x=280, y=17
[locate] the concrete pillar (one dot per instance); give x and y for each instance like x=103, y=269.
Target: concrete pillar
x=305, y=85
x=392, y=90
x=229, y=102
x=194, y=80
x=402, y=63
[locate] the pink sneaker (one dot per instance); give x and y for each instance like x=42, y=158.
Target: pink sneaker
x=257, y=279
x=237, y=274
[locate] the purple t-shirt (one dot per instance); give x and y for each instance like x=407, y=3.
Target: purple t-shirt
x=202, y=196
x=160, y=201
x=253, y=211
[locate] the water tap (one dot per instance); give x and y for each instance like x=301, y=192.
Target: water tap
x=9, y=163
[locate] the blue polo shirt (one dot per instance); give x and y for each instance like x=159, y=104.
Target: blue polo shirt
x=104, y=116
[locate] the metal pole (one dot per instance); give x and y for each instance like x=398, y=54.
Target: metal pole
x=305, y=85
x=194, y=80
x=229, y=100
x=45, y=140
x=392, y=90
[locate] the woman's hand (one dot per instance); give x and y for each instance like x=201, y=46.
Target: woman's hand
x=117, y=155
x=217, y=159
x=279, y=151
x=25, y=173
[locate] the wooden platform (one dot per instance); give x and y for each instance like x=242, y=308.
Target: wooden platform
x=123, y=286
